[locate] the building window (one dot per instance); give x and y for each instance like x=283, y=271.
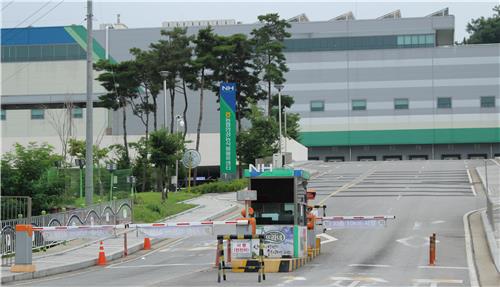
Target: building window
x=3, y=115
x=444, y=103
x=77, y=113
x=358, y=105
x=317, y=106
x=488, y=102
x=401, y=104
x=37, y=114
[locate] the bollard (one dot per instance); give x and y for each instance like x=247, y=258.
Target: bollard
x=23, y=258
x=229, y=250
x=125, y=248
x=435, y=246
x=432, y=250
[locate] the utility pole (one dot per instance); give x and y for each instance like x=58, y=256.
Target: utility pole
x=89, y=139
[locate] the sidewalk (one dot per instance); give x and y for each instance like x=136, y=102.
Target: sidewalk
x=76, y=257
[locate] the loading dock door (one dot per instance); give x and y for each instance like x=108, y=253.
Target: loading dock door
x=392, y=157
x=418, y=157
x=450, y=156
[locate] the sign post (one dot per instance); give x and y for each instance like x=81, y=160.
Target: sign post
x=228, y=131
x=191, y=159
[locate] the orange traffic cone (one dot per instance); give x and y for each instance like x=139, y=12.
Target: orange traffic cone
x=102, y=257
x=147, y=243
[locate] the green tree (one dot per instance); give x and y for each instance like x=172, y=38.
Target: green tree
x=484, y=30
x=165, y=150
x=122, y=86
x=269, y=58
x=28, y=171
x=140, y=165
x=260, y=140
x=174, y=56
x=77, y=149
x=234, y=55
x=204, y=61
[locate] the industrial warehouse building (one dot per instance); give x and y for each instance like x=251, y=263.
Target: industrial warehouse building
x=383, y=89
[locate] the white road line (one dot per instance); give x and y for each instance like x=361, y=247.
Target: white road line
x=473, y=190
x=434, y=282
x=370, y=265
x=159, y=265
x=417, y=225
x=468, y=249
x=468, y=175
x=443, y=267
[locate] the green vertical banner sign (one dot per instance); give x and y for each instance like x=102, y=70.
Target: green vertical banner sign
x=228, y=130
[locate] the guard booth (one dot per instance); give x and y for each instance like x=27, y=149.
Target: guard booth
x=281, y=211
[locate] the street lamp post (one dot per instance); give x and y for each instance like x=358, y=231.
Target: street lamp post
x=284, y=110
x=279, y=87
x=178, y=122
x=165, y=75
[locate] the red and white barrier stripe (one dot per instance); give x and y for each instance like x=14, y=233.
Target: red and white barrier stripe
x=142, y=225
x=370, y=217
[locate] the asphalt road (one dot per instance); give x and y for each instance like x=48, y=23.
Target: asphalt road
x=425, y=196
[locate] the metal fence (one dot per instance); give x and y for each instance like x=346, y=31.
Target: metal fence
x=15, y=207
x=112, y=212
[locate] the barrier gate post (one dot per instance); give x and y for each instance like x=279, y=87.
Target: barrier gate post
x=23, y=258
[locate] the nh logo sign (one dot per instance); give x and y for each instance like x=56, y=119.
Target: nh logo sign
x=260, y=167
x=228, y=88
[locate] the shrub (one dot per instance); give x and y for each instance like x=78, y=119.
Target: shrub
x=221, y=186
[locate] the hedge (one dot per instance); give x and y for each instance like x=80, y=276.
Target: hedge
x=221, y=186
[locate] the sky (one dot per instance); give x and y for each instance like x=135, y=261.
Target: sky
x=136, y=14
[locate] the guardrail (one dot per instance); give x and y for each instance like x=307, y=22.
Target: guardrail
x=112, y=212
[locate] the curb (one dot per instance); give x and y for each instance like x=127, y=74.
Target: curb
x=469, y=251
x=70, y=267
x=110, y=257
x=490, y=238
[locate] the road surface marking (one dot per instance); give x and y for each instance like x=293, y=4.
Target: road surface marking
x=399, y=196
x=420, y=241
x=143, y=257
x=359, y=279
x=468, y=248
x=328, y=238
x=438, y=222
x=160, y=265
x=369, y=265
x=290, y=279
x=417, y=225
x=473, y=190
x=468, y=175
x=442, y=267
x=434, y=282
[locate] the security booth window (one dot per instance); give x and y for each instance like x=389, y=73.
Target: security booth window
x=358, y=105
x=3, y=115
x=488, y=102
x=401, y=104
x=317, y=106
x=37, y=114
x=275, y=201
x=444, y=103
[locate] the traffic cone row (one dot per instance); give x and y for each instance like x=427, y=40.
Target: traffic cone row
x=102, y=257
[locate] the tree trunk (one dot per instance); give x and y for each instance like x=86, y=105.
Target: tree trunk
x=184, y=113
x=155, y=111
x=200, y=118
x=269, y=97
x=125, y=141
x=172, y=101
x=144, y=171
x=159, y=183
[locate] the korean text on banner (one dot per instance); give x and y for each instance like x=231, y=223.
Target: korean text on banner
x=228, y=128
x=175, y=231
x=76, y=233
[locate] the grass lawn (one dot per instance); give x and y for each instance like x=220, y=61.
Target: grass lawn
x=149, y=208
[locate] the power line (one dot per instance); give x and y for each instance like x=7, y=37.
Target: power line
x=46, y=13
x=32, y=14
x=7, y=5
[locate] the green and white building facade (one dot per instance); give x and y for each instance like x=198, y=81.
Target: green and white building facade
x=389, y=88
